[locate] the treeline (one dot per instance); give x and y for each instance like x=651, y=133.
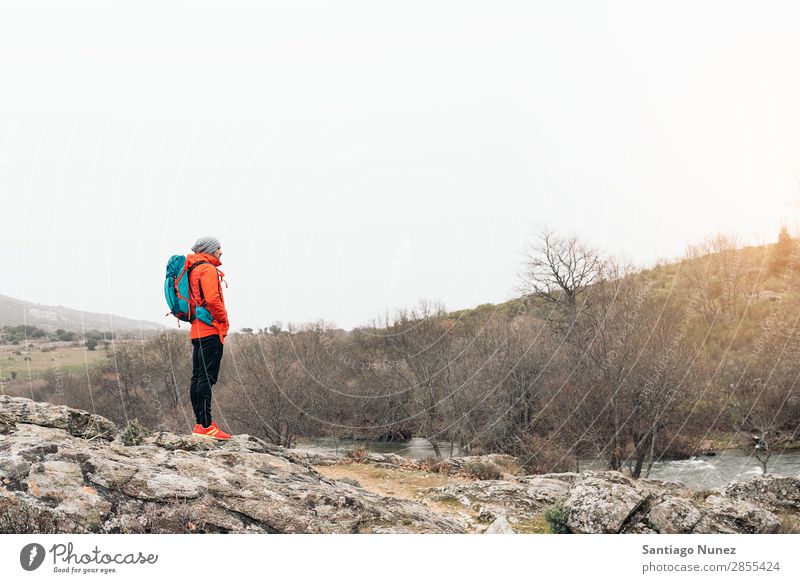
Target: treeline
x=594, y=358
x=22, y=333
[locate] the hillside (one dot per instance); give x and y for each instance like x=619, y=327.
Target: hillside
x=14, y=312
x=733, y=292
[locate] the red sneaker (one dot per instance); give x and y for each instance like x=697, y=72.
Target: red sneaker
x=211, y=431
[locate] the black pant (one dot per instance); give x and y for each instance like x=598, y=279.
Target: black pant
x=206, y=357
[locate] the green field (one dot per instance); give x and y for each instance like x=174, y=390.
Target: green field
x=70, y=359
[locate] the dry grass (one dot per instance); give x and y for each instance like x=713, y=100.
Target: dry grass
x=399, y=483
x=720, y=441
x=536, y=525
x=702, y=494
x=407, y=483
x=17, y=518
x=484, y=470
x=66, y=358
x=790, y=523
x=358, y=454
x=510, y=466
x=433, y=464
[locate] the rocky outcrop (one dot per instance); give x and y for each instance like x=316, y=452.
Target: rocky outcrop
x=455, y=465
x=74, y=421
x=499, y=526
x=729, y=516
x=603, y=503
x=671, y=515
x=64, y=470
x=778, y=493
x=609, y=502
x=519, y=500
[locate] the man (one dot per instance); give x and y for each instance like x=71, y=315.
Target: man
x=207, y=340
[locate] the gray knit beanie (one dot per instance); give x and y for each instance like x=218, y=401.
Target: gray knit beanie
x=206, y=245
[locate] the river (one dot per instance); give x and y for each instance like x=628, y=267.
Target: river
x=416, y=447
x=697, y=472
x=715, y=471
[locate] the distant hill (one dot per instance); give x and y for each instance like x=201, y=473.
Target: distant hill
x=736, y=292
x=14, y=312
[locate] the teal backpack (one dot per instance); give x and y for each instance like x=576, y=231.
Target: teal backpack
x=176, y=291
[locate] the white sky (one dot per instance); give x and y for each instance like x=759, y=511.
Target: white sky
x=354, y=157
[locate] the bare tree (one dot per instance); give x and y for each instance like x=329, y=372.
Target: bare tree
x=559, y=269
x=656, y=391
x=782, y=252
x=715, y=275
x=767, y=400
x=171, y=364
x=481, y=353
x=273, y=396
x=420, y=340
x=628, y=377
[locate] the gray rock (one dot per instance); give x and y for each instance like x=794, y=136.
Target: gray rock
x=453, y=465
x=674, y=515
x=601, y=503
x=521, y=499
x=318, y=458
x=388, y=460
x=728, y=516
x=663, y=487
x=607, y=502
x=640, y=528
x=774, y=492
x=518, y=500
x=63, y=471
x=567, y=477
x=499, y=526
x=60, y=484
x=7, y=424
x=14, y=468
x=486, y=515
x=74, y=421
x=545, y=490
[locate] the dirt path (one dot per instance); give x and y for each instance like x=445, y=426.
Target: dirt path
x=400, y=483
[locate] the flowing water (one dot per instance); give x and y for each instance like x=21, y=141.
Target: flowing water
x=416, y=447
x=697, y=472
x=716, y=471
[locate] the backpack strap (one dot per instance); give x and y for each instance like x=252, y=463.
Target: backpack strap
x=177, y=287
x=199, y=283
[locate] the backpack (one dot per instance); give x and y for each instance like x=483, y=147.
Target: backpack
x=176, y=291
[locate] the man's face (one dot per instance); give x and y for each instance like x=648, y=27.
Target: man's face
x=218, y=253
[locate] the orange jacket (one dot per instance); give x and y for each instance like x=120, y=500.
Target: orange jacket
x=209, y=277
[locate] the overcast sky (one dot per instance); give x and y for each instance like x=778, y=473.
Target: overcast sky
x=354, y=157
